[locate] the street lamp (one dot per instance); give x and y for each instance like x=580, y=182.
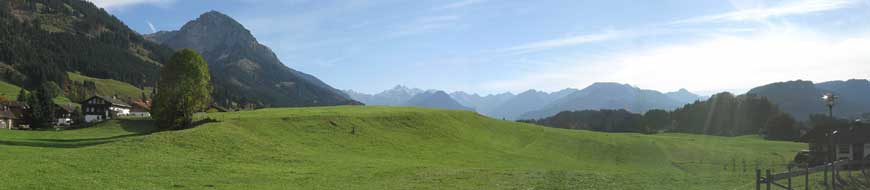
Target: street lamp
x=830, y=100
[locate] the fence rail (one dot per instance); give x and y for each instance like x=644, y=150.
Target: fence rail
x=770, y=179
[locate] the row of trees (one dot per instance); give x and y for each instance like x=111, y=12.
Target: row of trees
x=723, y=114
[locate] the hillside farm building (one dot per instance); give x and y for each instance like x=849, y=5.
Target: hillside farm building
x=851, y=142
x=99, y=108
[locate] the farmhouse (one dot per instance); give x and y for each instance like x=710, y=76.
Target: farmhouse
x=851, y=142
x=63, y=114
x=140, y=108
x=13, y=111
x=7, y=119
x=99, y=108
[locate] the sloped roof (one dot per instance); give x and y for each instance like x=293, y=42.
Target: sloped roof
x=113, y=101
x=67, y=107
x=140, y=104
x=6, y=114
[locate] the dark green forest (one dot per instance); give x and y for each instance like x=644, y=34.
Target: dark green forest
x=41, y=40
x=723, y=115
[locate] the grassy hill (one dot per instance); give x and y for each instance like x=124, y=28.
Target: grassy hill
x=9, y=91
x=374, y=148
x=109, y=87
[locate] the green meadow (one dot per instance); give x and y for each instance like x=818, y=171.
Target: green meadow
x=369, y=147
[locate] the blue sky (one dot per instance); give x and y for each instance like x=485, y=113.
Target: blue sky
x=491, y=46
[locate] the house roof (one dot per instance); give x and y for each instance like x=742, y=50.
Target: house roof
x=853, y=134
x=113, y=101
x=141, y=105
x=67, y=107
x=13, y=104
x=6, y=114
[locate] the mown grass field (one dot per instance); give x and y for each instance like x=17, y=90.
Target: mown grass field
x=362, y=147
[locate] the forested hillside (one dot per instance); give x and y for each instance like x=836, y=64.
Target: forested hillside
x=42, y=40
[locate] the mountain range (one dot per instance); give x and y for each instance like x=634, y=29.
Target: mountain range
x=42, y=41
x=802, y=98
x=535, y=103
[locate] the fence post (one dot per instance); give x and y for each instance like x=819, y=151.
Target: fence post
x=789, y=178
x=757, y=179
x=826, y=178
x=807, y=178
x=834, y=176
x=767, y=179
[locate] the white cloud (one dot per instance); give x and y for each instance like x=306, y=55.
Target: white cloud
x=459, y=4
x=151, y=26
x=426, y=24
x=566, y=41
x=116, y=4
x=720, y=62
x=756, y=11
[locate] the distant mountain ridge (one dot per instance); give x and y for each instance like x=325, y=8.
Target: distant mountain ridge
x=396, y=96
x=528, y=101
x=684, y=96
x=532, y=103
x=245, y=71
x=605, y=95
x=435, y=99
x=802, y=98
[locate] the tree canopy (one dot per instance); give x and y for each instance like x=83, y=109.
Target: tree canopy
x=183, y=89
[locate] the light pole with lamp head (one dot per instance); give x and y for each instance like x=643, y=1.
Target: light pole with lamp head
x=830, y=100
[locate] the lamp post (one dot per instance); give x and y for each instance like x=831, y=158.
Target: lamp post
x=830, y=100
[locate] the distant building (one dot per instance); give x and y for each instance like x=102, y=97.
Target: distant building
x=99, y=108
x=14, y=111
x=851, y=143
x=217, y=108
x=63, y=114
x=140, y=108
x=7, y=119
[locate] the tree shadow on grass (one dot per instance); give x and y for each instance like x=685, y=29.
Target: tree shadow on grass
x=135, y=127
x=52, y=144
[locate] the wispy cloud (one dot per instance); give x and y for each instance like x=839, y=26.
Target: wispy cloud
x=426, y=24
x=151, y=26
x=566, y=41
x=459, y=4
x=116, y=4
x=722, y=62
x=764, y=12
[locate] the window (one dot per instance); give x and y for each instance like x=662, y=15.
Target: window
x=843, y=149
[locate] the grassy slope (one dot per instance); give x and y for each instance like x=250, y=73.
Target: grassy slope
x=9, y=91
x=394, y=148
x=109, y=87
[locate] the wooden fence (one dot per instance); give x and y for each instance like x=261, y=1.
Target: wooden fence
x=769, y=180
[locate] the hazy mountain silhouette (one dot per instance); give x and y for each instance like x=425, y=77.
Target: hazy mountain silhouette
x=802, y=98
x=396, y=96
x=684, y=96
x=527, y=101
x=435, y=99
x=485, y=105
x=607, y=96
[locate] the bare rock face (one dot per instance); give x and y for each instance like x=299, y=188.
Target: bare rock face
x=245, y=71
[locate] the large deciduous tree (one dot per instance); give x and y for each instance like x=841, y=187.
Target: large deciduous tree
x=183, y=89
